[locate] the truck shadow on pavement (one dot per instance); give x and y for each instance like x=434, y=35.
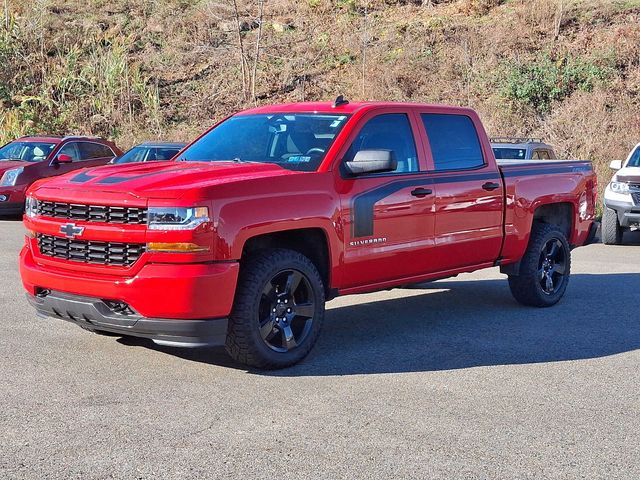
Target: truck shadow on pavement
x=462, y=324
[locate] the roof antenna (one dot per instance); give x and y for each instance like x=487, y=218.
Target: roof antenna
x=340, y=100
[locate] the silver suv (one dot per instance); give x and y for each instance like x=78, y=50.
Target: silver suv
x=515, y=148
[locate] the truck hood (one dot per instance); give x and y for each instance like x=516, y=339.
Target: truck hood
x=9, y=164
x=161, y=179
x=628, y=174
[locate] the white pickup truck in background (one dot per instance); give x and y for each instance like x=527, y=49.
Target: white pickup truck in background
x=622, y=199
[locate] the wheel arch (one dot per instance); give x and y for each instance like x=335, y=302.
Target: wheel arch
x=311, y=242
x=561, y=214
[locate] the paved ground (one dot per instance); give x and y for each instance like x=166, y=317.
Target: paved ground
x=451, y=380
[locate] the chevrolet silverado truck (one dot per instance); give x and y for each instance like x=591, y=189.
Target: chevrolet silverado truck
x=275, y=210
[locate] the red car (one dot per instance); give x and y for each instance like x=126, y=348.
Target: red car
x=30, y=158
x=275, y=210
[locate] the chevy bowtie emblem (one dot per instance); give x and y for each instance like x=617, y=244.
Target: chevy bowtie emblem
x=70, y=230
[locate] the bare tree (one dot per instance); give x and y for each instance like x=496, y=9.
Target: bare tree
x=256, y=57
x=243, y=60
x=558, y=19
x=365, y=43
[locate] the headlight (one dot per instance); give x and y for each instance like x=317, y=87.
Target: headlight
x=30, y=206
x=176, y=218
x=619, y=187
x=10, y=177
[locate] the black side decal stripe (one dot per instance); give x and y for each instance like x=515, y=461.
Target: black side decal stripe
x=363, y=203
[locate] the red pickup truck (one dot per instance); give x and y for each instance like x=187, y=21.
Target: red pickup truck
x=273, y=211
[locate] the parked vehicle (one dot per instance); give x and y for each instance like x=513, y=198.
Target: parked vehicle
x=149, y=152
x=277, y=209
x=622, y=199
x=30, y=158
x=515, y=148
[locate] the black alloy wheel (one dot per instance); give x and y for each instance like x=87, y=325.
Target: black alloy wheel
x=286, y=310
x=552, y=266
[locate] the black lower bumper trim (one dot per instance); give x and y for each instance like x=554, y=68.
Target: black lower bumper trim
x=94, y=314
x=11, y=208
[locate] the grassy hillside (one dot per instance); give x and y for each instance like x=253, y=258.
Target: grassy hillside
x=566, y=70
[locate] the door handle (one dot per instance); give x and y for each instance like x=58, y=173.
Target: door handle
x=490, y=186
x=421, y=192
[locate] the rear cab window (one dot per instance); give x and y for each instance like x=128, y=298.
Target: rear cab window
x=454, y=142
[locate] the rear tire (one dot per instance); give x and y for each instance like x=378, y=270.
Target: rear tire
x=611, y=229
x=544, y=268
x=278, y=310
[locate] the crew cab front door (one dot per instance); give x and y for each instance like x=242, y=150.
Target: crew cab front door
x=387, y=218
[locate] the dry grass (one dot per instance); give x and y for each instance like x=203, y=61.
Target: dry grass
x=134, y=69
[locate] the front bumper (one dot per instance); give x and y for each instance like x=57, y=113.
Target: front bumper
x=158, y=290
x=96, y=314
x=12, y=200
x=628, y=213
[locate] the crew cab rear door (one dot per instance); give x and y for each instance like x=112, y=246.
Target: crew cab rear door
x=387, y=218
x=468, y=186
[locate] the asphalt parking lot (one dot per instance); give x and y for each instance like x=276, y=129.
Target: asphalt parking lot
x=447, y=380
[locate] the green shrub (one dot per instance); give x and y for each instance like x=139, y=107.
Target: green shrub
x=545, y=80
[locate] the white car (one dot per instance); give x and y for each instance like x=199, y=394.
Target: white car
x=622, y=199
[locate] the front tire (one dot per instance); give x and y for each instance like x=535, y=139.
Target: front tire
x=544, y=269
x=278, y=310
x=611, y=229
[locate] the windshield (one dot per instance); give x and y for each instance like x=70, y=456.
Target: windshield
x=297, y=141
x=26, y=151
x=147, y=154
x=510, y=153
x=634, y=161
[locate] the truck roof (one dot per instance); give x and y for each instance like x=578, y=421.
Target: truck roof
x=345, y=108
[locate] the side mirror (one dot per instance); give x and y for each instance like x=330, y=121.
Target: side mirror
x=372, y=161
x=615, y=165
x=62, y=158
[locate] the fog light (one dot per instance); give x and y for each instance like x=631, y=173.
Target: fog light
x=3, y=198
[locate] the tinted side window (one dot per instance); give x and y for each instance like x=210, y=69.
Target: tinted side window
x=390, y=131
x=454, y=141
x=90, y=151
x=70, y=149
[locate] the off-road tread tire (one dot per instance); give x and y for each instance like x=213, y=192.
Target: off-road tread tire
x=243, y=342
x=525, y=287
x=611, y=229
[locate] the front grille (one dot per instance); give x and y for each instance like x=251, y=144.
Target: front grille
x=636, y=198
x=92, y=213
x=89, y=251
